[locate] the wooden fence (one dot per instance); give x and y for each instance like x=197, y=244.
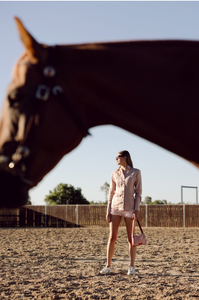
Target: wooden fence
x=95, y=215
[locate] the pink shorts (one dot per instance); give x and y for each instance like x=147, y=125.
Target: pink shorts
x=122, y=213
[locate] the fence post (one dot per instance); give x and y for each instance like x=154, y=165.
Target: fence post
x=77, y=216
x=17, y=217
x=33, y=218
x=46, y=215
x=146, y=215
x=26, y=217
x=184, y=216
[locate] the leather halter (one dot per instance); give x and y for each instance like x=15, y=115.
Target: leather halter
x=16, y=166
x=51, y=85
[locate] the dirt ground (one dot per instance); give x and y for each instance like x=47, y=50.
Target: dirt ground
x=64, y=263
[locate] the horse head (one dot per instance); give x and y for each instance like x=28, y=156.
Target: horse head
x=35, y=130
x=149, y=88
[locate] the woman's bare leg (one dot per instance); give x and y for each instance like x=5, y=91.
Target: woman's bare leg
x=114, y=226
x=132, y=250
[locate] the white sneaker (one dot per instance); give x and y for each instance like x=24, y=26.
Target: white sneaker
x=131, y=271
x=106, y=270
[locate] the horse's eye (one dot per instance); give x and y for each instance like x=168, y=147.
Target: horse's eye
x=13, y=96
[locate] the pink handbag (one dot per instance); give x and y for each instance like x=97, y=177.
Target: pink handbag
x=138, y=240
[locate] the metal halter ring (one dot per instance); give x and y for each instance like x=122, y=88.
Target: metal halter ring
x=57, y=90
x=42, y=92
x=23, y=150
x=49, y=71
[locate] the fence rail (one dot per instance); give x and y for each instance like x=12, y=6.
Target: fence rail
x=95, y=215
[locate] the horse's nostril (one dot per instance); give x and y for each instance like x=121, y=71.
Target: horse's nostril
x=9, y=148
x=14, y=192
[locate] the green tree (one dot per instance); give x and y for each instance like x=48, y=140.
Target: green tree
x=105, y=188
x=65, y=194
x=29, y=201
x=97, y=203
x=164, y=201
x=147, y=200
x=156, y=202
x=159, y=202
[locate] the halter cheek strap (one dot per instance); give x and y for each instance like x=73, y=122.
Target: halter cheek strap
x=50, y=85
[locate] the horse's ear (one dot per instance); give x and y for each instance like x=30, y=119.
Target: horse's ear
x=33, y=48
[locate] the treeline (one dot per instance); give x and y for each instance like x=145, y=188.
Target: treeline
x=66, y=194
x=148, y=200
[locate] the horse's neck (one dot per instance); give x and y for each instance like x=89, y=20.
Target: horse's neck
x=98, y=79
x=135, y=86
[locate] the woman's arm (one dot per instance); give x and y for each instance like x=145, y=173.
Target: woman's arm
x=136, y=215
x=138, y=191
x=111, y=192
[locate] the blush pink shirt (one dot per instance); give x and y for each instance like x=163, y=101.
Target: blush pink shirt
x=125, y=191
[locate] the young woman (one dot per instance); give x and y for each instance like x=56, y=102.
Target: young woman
x=124, y=201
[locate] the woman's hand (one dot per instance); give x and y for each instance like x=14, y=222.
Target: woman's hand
x=108, y=217
x=136, y=215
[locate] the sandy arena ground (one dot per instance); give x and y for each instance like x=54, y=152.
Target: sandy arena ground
x=65, y=263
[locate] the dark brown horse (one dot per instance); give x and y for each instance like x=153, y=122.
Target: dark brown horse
x=148, y=88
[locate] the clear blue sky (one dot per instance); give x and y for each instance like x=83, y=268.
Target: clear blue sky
x=91, y=163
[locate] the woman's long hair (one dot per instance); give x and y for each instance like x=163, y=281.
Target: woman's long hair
x=128, y=157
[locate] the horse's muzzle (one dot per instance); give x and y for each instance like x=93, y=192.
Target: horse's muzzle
x=13, y=192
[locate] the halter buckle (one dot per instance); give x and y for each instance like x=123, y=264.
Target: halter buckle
x=42, y=92
x=57, y=90
x=49, y=71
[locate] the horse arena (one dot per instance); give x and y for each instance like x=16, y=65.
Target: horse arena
x=64, y=263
